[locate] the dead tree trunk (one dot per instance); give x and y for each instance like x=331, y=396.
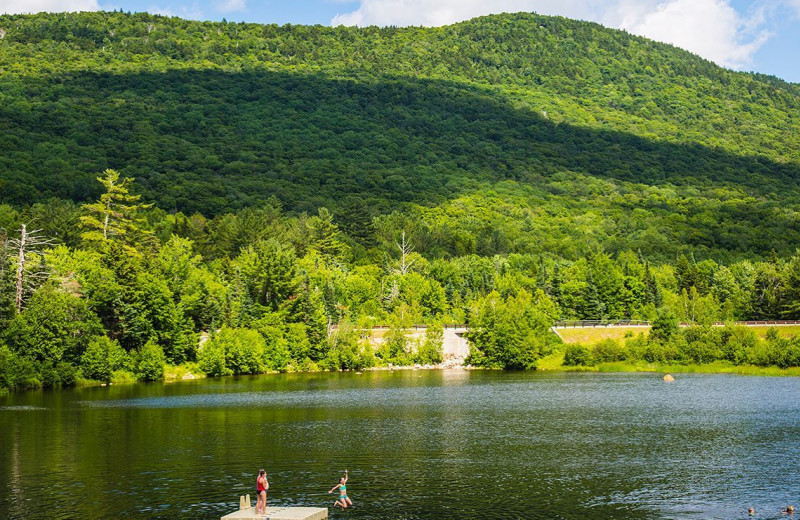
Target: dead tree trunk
x=29, y=242
x=405, y=250
x=23, y=239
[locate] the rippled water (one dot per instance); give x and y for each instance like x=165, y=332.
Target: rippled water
x=419, y=445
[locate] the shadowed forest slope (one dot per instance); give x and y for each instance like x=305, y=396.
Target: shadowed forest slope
x=214, y=117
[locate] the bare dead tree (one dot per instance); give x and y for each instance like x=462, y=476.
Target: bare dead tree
x=405, y=249
x=29, y=244
x=3, y=254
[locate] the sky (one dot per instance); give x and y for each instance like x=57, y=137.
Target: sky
x=749, y=35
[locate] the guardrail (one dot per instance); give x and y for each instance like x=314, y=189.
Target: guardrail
x=565, y=324
x=418, y=327
x=569, y=324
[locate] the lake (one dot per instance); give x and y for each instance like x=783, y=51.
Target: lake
x=418, y=444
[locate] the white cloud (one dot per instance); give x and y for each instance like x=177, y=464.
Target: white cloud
x=711, y=28
x=228, y=6
x=52, y=6
x=189, y=12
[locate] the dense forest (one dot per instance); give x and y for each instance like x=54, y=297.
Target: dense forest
x=274, y=191
x=595, y=138
x=117, y=290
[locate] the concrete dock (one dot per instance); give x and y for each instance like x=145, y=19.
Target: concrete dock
x=280, y=513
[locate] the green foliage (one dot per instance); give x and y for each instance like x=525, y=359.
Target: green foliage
x=53, y=327
x=609, y=351
x=500, y=223
x=684, y=156
x=102, y=357
x=664, y=325
x=578, y=355
x=396, y=348
x=276, y=347
x=16, y=372
x=233, y=351
x=149, y=361
x=510, y=333
x=115, y=216
x=347, y=351
x=211, y=358
x=431, y=352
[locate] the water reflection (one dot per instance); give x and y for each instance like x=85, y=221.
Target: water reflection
x=419, y=445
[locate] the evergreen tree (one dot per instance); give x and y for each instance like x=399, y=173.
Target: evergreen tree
x=325, y=236
x=116, y=216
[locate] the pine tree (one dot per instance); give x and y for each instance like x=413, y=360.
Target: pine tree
x=116, y=215
x=325, y=236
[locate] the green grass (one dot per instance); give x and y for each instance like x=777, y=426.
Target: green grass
x=178, y=372
x=784, y=331
x=719, y=367
x=592, y=335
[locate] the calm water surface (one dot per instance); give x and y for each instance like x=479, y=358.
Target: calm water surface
x=419, y=445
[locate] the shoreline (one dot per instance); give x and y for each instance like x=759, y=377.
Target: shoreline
x=609, y=367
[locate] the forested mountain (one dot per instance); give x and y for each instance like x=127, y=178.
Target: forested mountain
x=279, y=190
x=562, y=119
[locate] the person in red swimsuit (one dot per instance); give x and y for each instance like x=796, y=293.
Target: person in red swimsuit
x=261, y=487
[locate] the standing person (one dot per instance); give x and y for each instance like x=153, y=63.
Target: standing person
x=343, y=501
x=261, y=488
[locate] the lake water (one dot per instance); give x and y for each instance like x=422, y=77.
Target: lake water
x=418, y=444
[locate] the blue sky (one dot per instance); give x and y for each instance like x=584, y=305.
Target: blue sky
x=759, y=35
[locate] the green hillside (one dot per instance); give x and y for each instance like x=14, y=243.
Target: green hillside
x=665, y=151
x=301, y=184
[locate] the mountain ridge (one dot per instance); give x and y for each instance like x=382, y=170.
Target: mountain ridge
x=211, y=117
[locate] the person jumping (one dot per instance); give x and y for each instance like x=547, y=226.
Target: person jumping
x=343, y=501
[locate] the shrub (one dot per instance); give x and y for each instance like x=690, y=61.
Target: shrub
x=789, y=355
x=657, y=352
x=346, y=352
x=7, y=367
x=765, y=353
x=297, y=340
x=211, y=358
x=276, y=349
x=233, y=351
x=739, y=342
x=150, y=362
x=665, y=325
x=60, y=373
x=608, y=351
x=102, y=357
x=431, y=350
x=577, y=355
x=123, y=377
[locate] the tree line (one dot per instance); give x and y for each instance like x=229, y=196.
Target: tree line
x=118, y=290
x=589, y=137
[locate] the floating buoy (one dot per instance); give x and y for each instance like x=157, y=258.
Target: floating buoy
x=668, y=378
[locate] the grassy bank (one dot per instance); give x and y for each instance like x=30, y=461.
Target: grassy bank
x=555, y=362
x=590, y=335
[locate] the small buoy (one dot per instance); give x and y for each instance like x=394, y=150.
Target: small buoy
x=668, y=378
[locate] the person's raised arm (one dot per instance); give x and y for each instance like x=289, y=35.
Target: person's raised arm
x=346, y=476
